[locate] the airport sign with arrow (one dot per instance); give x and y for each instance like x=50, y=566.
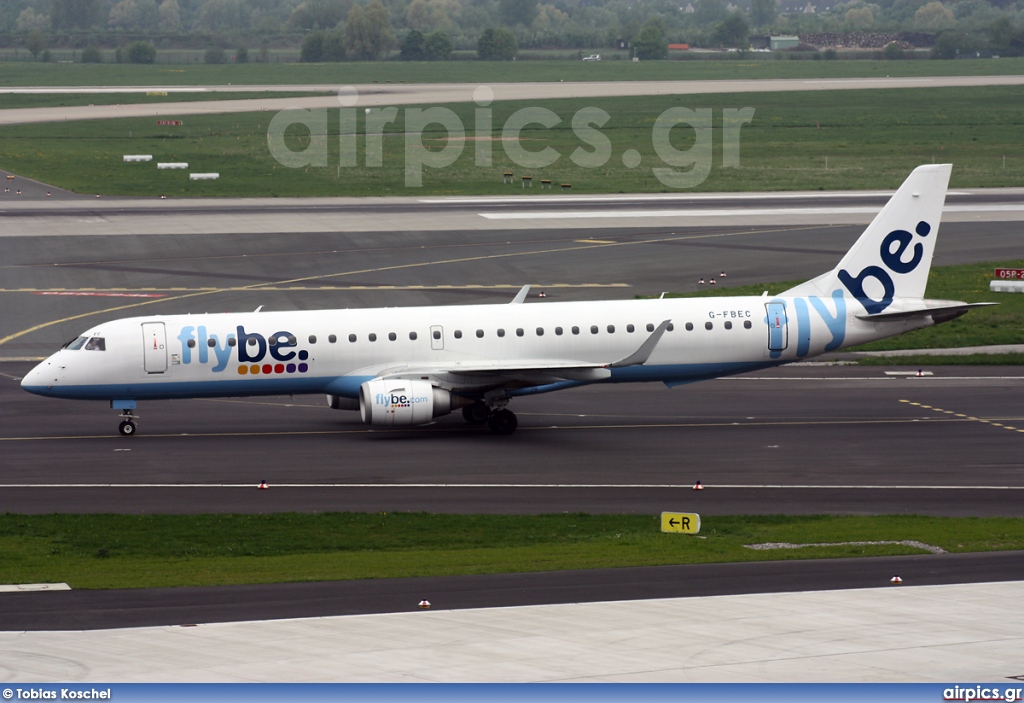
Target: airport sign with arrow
x=686, y=523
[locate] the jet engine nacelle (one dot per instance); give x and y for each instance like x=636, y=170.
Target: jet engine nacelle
x=400, y=402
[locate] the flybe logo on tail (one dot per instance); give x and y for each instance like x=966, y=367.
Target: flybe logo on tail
x=254, y=353
x=892, y=251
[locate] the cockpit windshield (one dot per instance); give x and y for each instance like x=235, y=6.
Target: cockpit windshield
x=76, y=343
x=96, y=344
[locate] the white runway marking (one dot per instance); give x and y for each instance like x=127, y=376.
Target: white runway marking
x=732, y=212
x=554, y=200
x=688, y=486
x=32, y=587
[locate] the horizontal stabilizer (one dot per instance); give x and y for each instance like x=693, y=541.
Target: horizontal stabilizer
x=947, y=310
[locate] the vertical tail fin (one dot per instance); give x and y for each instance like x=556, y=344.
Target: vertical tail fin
x=894, y=254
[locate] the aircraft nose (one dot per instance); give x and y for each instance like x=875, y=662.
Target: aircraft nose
x=40, y=378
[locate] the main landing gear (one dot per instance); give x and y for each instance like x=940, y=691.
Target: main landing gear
x=499, y=420
x=128, y=425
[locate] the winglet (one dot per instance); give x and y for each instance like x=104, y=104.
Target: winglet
x=641, y=355
x=521, y=295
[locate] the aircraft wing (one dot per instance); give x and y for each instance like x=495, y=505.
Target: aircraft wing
x=493, y=373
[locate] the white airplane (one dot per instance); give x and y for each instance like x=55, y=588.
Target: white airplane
x=406, y=366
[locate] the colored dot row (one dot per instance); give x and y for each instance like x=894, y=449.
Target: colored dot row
x=256, y=369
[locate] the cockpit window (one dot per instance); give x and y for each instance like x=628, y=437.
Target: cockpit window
x=96, y=344
x=76, y=343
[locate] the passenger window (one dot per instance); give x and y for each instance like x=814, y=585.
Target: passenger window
x=575, y=329
x=312, y=339
x=412, y=336
x=746, y=324
x=519, y=331
x=593, y=329
x=671, y=327
x=231, y=341
x=191, y=344
x=352, y=338
x=210, y=343
x=689, y=327
x=458, y=334
x=100, y=344
x=392, y=336
x=332, y=338
x=251, y=342
x=650, y=327
x=540, y=331
x=611, y=329
x=372, y=336
x=480, y=334
x=708, y=325
x=76, y=343
x=501, y=333
x=437, y=334
x=558, y=330
x=728, y=325
x=630, y=328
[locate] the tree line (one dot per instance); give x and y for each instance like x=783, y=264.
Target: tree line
x=367, y=29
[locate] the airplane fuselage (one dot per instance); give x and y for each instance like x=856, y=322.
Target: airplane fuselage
x=336, y=351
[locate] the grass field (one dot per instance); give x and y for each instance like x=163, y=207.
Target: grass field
x=1002, y=324
x=133, y=551
x=767, y=66
x=795, y=141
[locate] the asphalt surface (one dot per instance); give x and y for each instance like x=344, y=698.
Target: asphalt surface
x=798, y=440
x=87, y=610
x=56, y=285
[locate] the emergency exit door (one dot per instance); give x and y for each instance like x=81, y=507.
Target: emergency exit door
x=154, y=347
x=778, y=328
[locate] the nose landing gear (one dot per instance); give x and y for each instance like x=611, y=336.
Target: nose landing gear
x=128, y=417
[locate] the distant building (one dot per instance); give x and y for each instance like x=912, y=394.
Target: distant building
x=786, y=42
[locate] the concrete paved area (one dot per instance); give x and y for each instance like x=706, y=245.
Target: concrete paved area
x=895, y=634
x=442, y=93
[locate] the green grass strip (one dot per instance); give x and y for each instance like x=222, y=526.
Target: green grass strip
x=866, y=139
x=140, y=551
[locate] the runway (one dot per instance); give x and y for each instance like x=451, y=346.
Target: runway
x=798, y=440
x=376, y=95
x=72, y=263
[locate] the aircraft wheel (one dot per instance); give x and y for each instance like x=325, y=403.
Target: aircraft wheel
x=127, y=428
x=503, y=422
x=477, y=413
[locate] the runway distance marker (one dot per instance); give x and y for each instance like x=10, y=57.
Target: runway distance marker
x=685, y=523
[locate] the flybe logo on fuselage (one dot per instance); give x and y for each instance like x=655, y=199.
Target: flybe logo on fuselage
x=254, y=353
x=893, y=259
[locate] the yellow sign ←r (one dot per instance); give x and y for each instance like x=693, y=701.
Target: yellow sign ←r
x=687, y=523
